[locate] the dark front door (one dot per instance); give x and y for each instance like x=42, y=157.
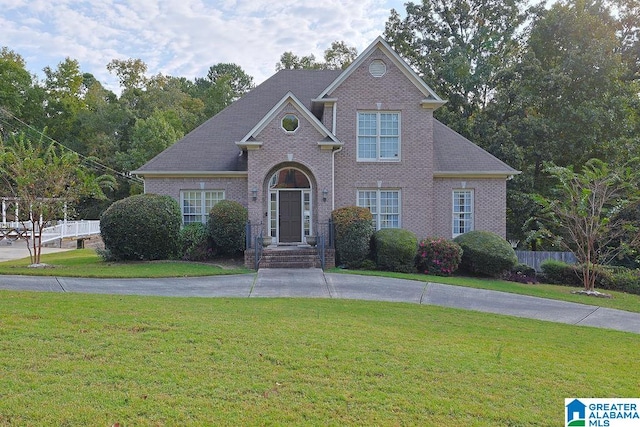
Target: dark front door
x=290, y=209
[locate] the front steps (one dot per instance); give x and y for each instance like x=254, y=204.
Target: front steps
x=290, y=257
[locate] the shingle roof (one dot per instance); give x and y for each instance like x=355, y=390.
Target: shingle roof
x=211, y=146
x=456, y=155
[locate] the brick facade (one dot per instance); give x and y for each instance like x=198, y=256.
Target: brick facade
x=325, y=150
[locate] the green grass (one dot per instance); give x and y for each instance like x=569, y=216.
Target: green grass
x=620, y=300
x=86, y=263
x=75, y=360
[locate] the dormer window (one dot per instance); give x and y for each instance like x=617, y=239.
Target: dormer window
x=290, y=123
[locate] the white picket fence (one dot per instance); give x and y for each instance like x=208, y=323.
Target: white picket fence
x=63, y=230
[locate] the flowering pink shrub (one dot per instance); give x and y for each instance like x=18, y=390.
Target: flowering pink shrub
x=439, y=256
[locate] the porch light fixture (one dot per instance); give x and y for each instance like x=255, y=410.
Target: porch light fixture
x=324, y=194
x=254, y=194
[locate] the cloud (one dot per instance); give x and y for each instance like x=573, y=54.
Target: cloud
x=185, y=37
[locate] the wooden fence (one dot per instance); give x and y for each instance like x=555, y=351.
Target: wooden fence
x=534, y=259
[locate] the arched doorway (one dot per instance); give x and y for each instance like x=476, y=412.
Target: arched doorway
x=290, y=208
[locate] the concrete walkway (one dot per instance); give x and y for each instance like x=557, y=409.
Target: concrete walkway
x=313, y=283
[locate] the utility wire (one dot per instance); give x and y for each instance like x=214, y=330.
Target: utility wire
x=115, y=172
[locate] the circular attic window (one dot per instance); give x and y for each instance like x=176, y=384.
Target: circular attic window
x=377, y=68
x=290, y=123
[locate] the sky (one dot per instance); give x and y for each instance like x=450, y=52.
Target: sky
x=183, y=38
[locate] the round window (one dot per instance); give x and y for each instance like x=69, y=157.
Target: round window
x=290, y=123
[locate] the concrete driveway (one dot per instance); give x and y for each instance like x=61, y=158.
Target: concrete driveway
x=313, y=283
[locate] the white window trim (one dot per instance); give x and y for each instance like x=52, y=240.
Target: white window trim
x=378, y=214
x=454, y=213
x=378, y=158
x=204, y=215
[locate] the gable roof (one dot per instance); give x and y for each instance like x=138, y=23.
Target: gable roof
x=289, y=98
x=456, y=156
x=379, y=43
x=211, y=146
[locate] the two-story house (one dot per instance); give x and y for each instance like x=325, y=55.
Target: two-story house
x=306, y=142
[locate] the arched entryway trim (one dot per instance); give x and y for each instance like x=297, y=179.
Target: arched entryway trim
x=290, y=205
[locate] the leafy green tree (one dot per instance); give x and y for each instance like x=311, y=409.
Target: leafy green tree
x=586, y=206
x=130, y=72
x=46, y=181
x=64, y=98
x=234, y=75
x=149, y=137
x=15, y=81
x=338, y=56
x=458, y=46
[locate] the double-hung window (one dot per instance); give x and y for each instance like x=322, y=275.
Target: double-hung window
x=196, y=204
x=462, y=211
x=378, y=136
x=384, y=206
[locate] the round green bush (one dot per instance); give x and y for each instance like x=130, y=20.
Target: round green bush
x=561, y=273
x=394, y=249
x=438, y=256
x=142, y=227
x=194, y=241
x=354, y=229
x=485, y=253
x=227, y=222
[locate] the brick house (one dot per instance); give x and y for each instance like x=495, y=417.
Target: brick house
x=305, y=142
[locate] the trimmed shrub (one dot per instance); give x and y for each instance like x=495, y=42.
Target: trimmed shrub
x=142, y=227
x=620, y=279
x=194, y=242
x=394, y=249
x=227, y=221
x=485, y=253
x=521, y=273
x=561, y=273
x=437, y=255
x=354, y=228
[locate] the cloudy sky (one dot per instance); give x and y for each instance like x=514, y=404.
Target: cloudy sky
x=185, y=37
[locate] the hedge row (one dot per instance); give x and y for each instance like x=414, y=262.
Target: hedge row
x=148, y=227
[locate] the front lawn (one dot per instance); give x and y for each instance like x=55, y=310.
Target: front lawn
x=74, y=359
x=86, y=263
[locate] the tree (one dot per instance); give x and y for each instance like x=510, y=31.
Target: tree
x=149, y=137
x=337, y=56
x=458, y=46
x=64, y=98
x=587, y=208
x=15, y=81
x=130, y=72
x=234, y=75
x=46, y=183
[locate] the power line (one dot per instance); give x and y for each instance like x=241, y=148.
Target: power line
x=115, y=172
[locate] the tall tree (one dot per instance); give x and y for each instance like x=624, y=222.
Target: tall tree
x=130, y=72
x=63, y=86
x=14, y=83
x=458, y=46
x=338, y=56
x=234, y=75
